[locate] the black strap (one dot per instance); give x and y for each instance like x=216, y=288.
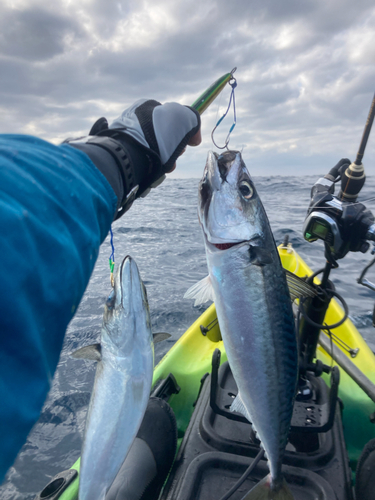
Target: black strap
x=136, y=150
x=125, y=166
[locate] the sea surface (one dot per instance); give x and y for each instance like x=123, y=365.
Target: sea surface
x=162, y=233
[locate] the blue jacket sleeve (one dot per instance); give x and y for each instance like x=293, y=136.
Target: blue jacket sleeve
x=56, y=209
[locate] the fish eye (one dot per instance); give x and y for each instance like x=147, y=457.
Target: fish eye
x=246, y=190
x=111, y=300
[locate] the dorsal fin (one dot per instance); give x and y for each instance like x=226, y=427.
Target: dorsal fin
x=298, y=286
x=259, y=256
x=93, y=352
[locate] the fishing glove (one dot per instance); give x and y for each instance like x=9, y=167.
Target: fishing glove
x=136, y=151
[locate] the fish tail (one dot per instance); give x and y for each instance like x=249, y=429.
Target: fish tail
x=264, y=491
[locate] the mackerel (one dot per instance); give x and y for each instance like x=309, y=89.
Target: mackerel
x=248, y=284
x=122, y=382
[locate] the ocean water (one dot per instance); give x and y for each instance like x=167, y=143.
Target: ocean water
x=162, y=233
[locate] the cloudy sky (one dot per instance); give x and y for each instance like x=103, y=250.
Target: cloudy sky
x=306, y=72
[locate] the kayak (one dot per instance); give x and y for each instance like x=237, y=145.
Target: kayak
x=214, y=449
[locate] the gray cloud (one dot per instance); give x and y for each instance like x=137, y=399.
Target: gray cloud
x=36, y=34
x=305, y=70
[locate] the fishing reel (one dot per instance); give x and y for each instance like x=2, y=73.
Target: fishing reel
x=343, y=224
x=340, y=221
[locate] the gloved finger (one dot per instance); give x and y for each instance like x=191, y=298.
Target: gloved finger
x=175, y=125
x=196, y=139
x=175, y=163
x=173, y=168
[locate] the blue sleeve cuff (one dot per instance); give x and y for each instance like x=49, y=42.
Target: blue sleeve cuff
x=56, y=209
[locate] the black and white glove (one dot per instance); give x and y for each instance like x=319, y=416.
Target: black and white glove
x=136, y=151
x=165, y=129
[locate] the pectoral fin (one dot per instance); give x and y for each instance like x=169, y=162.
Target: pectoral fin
x=239, y=406
x=160, y=336
x=201, y=291
x=92, y=352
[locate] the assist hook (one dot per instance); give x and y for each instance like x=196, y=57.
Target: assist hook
x=233, y=83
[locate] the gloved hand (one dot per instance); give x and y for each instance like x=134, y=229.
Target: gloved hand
x=136, y=151
x=166, y=129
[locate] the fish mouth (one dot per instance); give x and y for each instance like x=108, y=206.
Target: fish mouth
x=121, y=282
x=226, y=246
x=130, y=288
x=254, y=240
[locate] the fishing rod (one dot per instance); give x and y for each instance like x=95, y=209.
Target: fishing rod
x=343, y=225
x=366, y=133
x=353, y=178
x=339, y=221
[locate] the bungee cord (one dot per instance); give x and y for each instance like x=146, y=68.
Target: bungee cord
x=245, y=475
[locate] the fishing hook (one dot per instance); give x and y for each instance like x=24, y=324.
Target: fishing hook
x=233, y=83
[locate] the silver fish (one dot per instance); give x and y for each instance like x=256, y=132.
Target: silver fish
x=248, y=284
x=122, y=382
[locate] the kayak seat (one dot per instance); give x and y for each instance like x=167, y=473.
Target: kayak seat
x=364, y=476
x=216, y=451
x=151, y=456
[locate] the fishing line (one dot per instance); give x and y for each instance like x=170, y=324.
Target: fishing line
x=218, y=106
x=112, y=258
x=244, y=476
x=364, y=201
x=364, y=281
x=277, y=205
x=291, y=250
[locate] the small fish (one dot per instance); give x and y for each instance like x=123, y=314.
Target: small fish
x=122, y=383
x=248, y=284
